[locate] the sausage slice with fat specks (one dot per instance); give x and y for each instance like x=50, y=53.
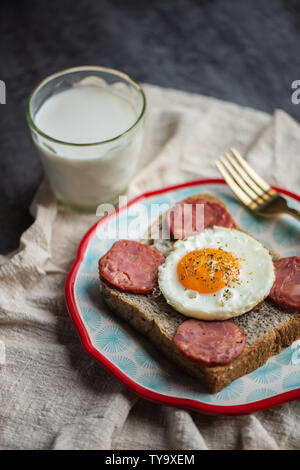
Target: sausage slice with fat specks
x=286, y=288
x=185, y=222
x=210, y=343
x=131, y=266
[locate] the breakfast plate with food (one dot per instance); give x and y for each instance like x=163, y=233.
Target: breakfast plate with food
x=196, y=308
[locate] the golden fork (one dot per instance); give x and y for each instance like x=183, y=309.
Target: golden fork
x=254, y=192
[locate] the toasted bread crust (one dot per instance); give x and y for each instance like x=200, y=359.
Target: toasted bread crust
x=143, y=313
x=215, y=378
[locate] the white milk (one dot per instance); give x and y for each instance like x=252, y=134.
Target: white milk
x=85, y=114
x=86, y=175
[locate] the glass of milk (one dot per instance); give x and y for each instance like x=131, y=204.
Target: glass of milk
x=87, y=123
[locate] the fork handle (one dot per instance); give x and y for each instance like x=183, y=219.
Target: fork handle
x=293, y=212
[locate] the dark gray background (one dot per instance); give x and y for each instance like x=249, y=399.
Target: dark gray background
x=247, y=51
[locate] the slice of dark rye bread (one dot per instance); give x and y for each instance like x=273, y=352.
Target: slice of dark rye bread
x=268, y=327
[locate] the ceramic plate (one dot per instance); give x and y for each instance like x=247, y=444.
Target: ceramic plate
x=131, y=358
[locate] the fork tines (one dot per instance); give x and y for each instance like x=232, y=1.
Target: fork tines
x=248, y=186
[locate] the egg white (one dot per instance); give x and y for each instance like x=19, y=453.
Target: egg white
x=254, y=282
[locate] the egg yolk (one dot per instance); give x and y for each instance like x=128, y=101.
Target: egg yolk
x=208, y=270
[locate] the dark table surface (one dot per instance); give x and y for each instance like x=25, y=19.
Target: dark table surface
x=246, y=51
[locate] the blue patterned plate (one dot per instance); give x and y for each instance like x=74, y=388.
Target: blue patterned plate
x=132, y=359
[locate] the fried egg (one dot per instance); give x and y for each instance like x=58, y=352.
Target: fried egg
x=215, y=275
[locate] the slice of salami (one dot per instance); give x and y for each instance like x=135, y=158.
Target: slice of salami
x=131, y=266
x=185, y=221
x=210, y=343
x=286, y=288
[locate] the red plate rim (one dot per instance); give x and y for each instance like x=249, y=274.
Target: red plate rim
x=115, y=371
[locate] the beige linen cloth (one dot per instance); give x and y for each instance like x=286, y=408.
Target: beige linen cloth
x=53, y=395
